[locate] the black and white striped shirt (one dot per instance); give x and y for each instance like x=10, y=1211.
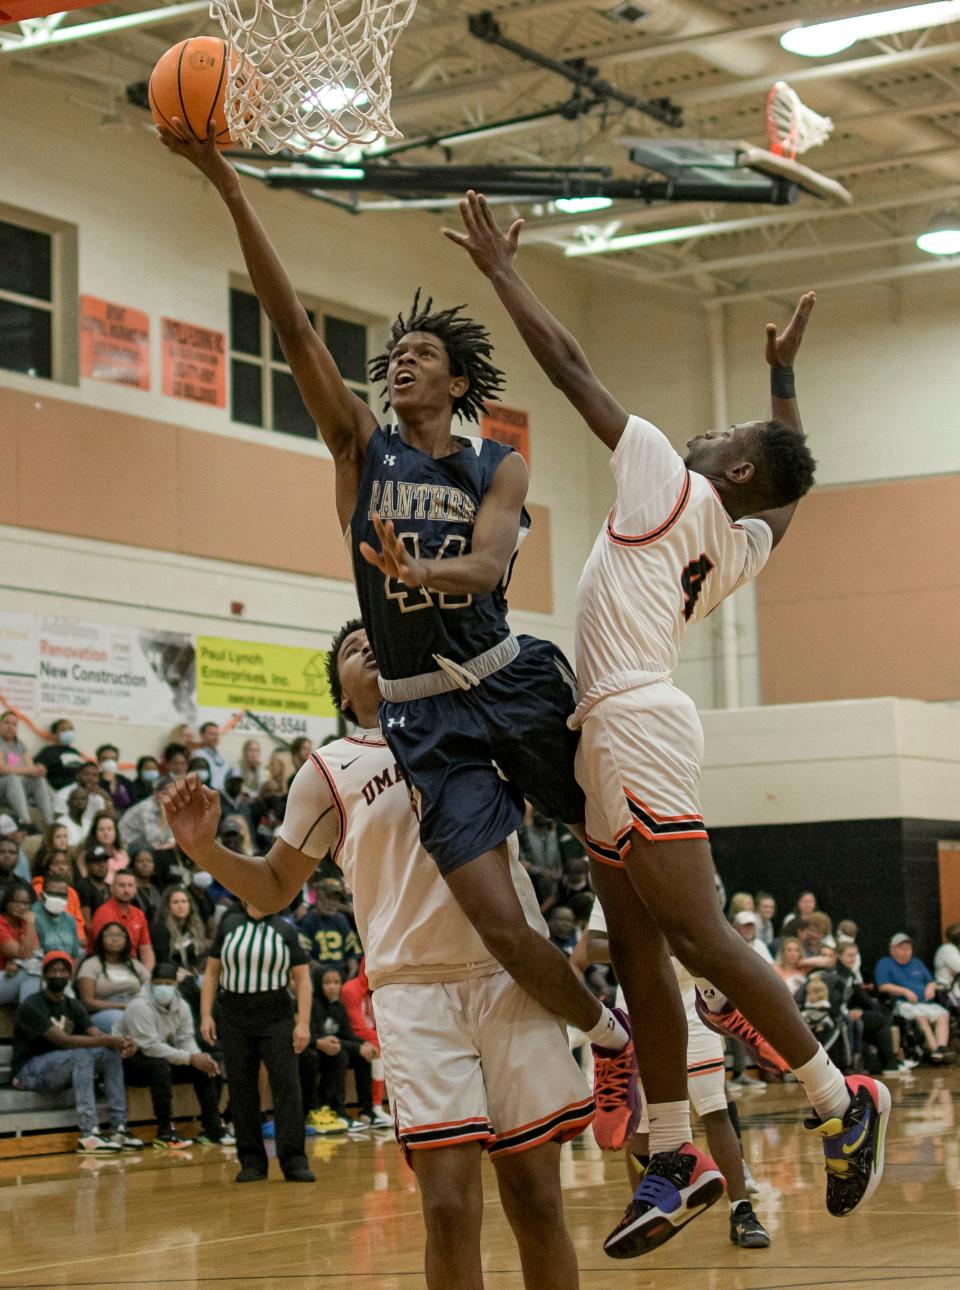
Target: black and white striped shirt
x=256, y=954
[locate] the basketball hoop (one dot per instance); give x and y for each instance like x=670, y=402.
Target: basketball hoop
x=792, y=127
x=310, y=72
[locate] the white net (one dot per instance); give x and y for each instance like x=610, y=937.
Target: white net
x=310, y=73
x=792, y=127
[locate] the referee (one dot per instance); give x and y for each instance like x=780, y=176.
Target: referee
x=254, y=959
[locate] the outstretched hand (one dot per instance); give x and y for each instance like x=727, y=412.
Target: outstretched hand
x=192, y=811
x=782, y=346
x=393, y=558
x=487, y=245
x=202, y=153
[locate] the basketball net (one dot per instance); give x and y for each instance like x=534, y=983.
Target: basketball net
x=310, y=73
x=792, y=127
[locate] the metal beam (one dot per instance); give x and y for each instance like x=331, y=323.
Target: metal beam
x=777, y=256
x=848, y=280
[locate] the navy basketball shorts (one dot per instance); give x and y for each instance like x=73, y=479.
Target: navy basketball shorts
x=472, y=756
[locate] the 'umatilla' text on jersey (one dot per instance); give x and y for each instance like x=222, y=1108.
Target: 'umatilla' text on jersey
x=433, y=503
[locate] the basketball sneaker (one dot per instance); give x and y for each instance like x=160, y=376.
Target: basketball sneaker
x=853, y=1146
x=746, y=1230
x=616, y=1091
x=324, y=1120
x=730, y=1023
x=675, y=1188
x=98, y=1143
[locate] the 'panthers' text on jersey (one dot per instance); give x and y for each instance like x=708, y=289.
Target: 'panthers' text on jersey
x=433, y=503
x=667, y=555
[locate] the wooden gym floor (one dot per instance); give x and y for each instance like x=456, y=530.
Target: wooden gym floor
x=151, y=1220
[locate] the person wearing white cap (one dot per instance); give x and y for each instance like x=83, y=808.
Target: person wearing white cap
x=911, y=984
x=747, y=924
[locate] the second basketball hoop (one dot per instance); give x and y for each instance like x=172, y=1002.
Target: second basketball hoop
x=318, y=71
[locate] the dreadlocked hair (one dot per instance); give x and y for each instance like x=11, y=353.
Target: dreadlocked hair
x=333, y=666
x=468, y=351
x=788, y=463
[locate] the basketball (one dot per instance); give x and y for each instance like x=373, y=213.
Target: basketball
x=189, y=82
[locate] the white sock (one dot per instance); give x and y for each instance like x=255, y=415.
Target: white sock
x=608, y=1032
x=669, y=1125
x=824, y=1086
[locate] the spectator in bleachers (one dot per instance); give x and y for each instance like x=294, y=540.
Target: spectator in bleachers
x=745, y=924
x=326, y=933
x=109, y=977
x=94, y=889
x=55, y=1044
x=300, y=750
x=19, y=944
x=104, y=833
x=120, y=908
x=540, y=855
x=787, y=963
x=236, y=827
x=210, y=753
x=78, y=817
x=911, y=984
x=812, y=932
x=55, y=839
x=870, y=1023
x=13, y=863
x=159, y=1024
x=333, y=1050
x=805, y=906
x=87, y=777
x=575, y=883
x=60, y=758
x=116, y=787
x=268, y=809
x=144, y=869
x=740, y=902
x=21, y=778
x=251, y=766
x=57, y=864
x=357, y=998
x=946, y=963
x=145, y=824
x=234, y=798
x=175, y=759
x=148, y=772
x=766, y=909
x=178, y=933
x=563, y=928
x=56, y=928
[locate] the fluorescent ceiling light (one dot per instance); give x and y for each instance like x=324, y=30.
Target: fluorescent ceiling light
x=632, y=241
x=823, y=38
x=580, y=205
x=334, y=98
x=943, y=235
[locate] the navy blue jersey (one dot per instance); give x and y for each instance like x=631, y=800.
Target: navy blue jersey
x=433, y=503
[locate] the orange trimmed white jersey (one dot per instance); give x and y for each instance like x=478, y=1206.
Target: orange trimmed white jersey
x=666, y=556
x=350, y=799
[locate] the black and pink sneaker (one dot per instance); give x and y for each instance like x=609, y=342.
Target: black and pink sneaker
x=677, y=1187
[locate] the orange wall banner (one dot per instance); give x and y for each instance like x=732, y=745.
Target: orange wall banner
x=114, y=343
x=194, y=363
x=508, y=425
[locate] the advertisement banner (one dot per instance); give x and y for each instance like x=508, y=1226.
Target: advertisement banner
x=114, y=343
x=194, y=363
x=507, y=425
x=283, y=686
x=18, y=661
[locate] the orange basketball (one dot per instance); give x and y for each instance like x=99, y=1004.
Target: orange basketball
x=189, y=82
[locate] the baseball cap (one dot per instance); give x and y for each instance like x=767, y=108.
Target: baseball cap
x=56, y=956
x=829, y=943
x=901, y=938
x=746, y=916
x=8, y=826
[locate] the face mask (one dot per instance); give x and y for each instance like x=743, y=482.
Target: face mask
x=164, y=994
x=54, y=904
x=67, y=737
x=109, y=767
x=150, y=776
x=56, y=984
x=202, y=880
x=203, y=776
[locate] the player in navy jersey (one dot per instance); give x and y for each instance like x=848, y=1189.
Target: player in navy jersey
x=435, y=520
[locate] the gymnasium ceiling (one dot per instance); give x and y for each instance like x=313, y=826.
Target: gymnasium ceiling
x=895, y=104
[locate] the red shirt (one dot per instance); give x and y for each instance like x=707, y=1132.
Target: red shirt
x=128, y=916
x=11, y=929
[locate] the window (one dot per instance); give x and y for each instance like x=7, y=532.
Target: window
x=263, y=391
x=38, y=296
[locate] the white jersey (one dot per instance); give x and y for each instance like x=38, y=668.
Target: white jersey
x=666, y=556
x=350, y=799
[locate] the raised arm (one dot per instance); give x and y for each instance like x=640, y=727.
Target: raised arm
x=554, y=348
x=344, y=420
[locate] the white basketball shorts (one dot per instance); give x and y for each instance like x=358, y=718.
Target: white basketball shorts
x=639, y=764
x=478, y=1061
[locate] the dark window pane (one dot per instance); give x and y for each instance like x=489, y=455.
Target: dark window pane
x=244, y=322
x=289, y=414
x=25, y=339
x=275, y=350
x=347, y=342
x=246, y=397
x=25, y=261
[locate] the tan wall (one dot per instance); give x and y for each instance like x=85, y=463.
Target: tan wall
x=117, y=478
x=863, y=596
